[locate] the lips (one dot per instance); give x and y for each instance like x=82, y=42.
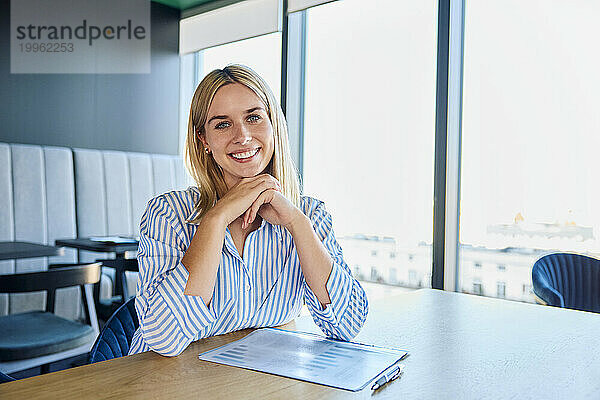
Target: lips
x=244, y=155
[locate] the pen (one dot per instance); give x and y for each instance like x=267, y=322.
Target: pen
x=388, y=376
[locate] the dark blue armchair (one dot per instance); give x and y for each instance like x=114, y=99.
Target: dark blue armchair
x=568, y=280
x=115, y=338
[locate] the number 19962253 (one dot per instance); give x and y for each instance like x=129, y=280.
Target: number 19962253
x=46, y=47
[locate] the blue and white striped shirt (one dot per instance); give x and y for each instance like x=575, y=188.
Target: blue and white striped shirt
x=265, y=287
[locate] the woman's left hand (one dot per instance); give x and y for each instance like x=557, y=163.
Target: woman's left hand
x=274, y=207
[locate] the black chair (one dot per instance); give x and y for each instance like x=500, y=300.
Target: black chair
x=115, y=339
x=106, y=307
x=39, y=338
x=568, y=280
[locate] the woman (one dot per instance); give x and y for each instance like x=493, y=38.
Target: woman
x=242, y=249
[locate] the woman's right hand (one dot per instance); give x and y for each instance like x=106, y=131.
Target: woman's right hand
x=241, y=196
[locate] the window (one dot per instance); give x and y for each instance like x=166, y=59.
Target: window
x=393, y=254
x=477, y=265
x=374, y=253
x=370, y=106
x=393, y=276
x=526, y=290
x=529, y=158
x=501, y=267
x=262, y=54
x=412, y=277
x=374, y=274
x=477, y=288
x=501, y=290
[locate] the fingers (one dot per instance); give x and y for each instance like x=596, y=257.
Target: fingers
x=240, y=199
x=250, y=214
x=255, y=206
x=265, y=179
x=256, y=180
x=268, y=182
x=245, y=219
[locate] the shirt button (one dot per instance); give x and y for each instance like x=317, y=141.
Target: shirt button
x=247, y=287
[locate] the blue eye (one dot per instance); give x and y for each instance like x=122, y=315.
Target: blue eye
x=254, y=118
x=222, y=125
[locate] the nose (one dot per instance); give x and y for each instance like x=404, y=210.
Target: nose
x=242, y=134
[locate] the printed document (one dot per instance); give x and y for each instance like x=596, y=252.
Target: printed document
x=307, y=357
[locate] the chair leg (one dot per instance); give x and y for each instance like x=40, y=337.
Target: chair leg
x=44, y=369
x=97, y=292
x=118, y=289
x=124, y=290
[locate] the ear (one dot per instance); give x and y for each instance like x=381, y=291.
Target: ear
x=202, y=138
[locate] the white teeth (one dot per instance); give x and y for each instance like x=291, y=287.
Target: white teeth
x=247, y=154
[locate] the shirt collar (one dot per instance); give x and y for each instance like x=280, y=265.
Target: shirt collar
x=229, y=245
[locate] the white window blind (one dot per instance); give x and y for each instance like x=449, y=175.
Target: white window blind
x=228, y=24
x=299, y=5
x=235, y=22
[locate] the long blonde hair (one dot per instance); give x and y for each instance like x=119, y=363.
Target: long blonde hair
x=202, y=167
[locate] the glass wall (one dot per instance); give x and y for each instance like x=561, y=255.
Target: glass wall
x=531, y=132
x=262, y=54
x=369, y=132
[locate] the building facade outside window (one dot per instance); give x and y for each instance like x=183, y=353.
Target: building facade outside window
x=501, y=290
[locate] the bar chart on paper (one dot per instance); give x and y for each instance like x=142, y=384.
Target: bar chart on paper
x=307, y=357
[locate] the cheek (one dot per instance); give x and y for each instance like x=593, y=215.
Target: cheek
x=267, y=136
x=214, y=142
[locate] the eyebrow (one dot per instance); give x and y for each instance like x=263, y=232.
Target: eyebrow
x=248, y=111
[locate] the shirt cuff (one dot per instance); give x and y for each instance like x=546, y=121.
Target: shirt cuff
x=339, y=287
x=190, y=311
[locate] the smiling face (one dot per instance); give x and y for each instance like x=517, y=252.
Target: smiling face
x=238, y=132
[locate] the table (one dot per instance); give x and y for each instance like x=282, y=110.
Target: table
x=16, y=249
x=120, y=264
x=461, y=347
x=101, y=247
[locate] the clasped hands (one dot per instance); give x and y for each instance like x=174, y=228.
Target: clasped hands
x=260, y=195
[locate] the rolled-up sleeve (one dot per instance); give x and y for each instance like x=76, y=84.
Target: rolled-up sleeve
x=346, y=314
x=169, y=319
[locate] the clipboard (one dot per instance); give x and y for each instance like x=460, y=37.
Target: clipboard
x=307, y=357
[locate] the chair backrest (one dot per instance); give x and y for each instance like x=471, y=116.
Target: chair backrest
x=37, y=204
x=52, y=279
x=115, y=338
x=55, y=278
x=5, y=378
x=568, y=280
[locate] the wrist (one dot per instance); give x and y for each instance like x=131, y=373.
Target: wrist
x=297, y=221
x=215, y=218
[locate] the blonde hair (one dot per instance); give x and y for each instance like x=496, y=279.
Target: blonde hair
x=202, y=167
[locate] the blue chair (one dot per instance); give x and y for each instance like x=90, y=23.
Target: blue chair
x=5, y=378
x=115, y=338
x=568, y=280
x=40, y=337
